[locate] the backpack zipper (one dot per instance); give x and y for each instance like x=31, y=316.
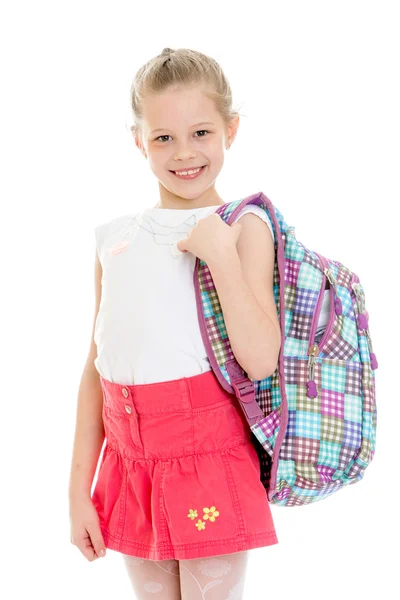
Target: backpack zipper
x=335, y=308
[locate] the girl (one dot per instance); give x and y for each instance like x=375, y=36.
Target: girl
x=178, y=492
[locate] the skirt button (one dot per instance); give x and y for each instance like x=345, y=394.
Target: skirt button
x=128, y=408
x=125, y=392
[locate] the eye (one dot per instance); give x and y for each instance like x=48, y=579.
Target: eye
x=198, y=131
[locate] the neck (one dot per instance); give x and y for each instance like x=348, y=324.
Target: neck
x=169, y=200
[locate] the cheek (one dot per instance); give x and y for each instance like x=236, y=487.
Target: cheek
x=156, y=158
x=216, y=158
x=216, y=149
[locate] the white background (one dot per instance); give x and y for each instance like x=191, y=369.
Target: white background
x=318, y=87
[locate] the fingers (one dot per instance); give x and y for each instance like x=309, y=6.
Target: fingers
x=90, y=543
x=97, y=541
x=176, y=250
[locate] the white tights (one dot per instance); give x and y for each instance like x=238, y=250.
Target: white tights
x=212, y=578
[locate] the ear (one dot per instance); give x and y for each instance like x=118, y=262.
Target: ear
x=232, y=131
x=139, y=144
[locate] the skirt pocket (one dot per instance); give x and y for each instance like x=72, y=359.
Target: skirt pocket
x=219, y=426
x=122, y=430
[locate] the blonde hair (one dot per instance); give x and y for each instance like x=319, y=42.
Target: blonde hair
x=181, y=67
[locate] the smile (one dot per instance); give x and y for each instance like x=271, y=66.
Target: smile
x=190, y=173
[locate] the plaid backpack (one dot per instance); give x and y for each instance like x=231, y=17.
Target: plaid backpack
x=314, y=419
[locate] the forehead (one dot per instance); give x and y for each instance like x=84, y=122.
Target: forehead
x=179, y=107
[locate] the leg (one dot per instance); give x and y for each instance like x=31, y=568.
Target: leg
x=214, y=578
x=153, y=577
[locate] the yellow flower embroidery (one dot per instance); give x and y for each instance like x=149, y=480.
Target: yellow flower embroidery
x=200, y=524
x=192, y=513
x=210, y=513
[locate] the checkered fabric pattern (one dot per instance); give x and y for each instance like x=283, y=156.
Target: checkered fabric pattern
x=310, y=443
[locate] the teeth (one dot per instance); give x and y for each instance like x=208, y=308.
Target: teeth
x=188, y=172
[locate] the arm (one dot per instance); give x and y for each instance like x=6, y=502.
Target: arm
x=88, y=441
x=89, y=429
x=243, y=277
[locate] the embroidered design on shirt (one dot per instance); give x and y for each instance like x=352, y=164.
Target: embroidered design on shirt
x=162, y=235
x=120, y=247
x=167, y=234
x=123, y=233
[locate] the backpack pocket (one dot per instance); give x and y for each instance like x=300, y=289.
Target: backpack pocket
x=320, y=444
x=340, y=338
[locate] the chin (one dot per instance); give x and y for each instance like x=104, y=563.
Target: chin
x=182, y=193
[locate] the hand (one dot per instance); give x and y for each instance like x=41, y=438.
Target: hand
x=85, y=528
x=211, y=238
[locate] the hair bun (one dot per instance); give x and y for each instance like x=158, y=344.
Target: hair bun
x=167, y=51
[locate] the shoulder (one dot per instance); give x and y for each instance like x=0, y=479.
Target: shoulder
x=105, y=229
x=260, y=212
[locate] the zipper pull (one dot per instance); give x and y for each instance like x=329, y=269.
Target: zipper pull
x=362, y=320
x=332, y=281
x=374, y=360
x=311, y=385
x=359, y=296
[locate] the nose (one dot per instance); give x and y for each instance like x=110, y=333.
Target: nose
x=184, y=151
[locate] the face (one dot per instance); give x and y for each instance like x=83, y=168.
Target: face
x=183, y=130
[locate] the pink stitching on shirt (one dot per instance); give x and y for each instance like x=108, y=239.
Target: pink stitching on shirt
x=120, y=247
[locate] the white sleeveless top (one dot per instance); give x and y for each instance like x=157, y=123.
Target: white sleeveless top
x=147, y=327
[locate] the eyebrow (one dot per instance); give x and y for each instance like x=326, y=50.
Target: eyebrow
x=196, y=125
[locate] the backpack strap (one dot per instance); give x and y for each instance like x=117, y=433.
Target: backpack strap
x=239, y=383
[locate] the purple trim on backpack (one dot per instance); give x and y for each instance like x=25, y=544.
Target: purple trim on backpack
x=328, y=329
x=324, y=263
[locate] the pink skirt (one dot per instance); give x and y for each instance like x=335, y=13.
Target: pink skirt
x=179, y=477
